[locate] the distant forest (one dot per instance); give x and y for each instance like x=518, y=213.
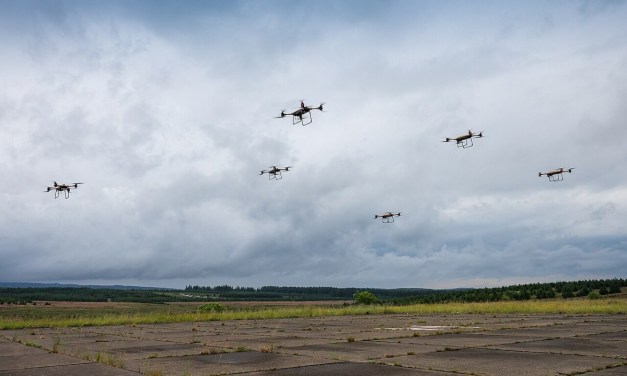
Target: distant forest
x=565, y=290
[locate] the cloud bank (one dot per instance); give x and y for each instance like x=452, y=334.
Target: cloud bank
x=166, y=111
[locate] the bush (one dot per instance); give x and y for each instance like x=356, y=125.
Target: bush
x=212, y=307
x=594, y=295
x=568, y=291
x=584, y=292
x=365, y=297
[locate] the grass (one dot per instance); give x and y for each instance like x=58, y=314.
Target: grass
x=32, y=344
x=114, y=360
x=154, y=372
x=267, y=349
x=56, y=346
x=20, y=317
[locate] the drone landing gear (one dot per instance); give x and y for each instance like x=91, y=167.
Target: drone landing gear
x=304, y=119
x=57, y=193
x=388, y=220
x=556, y=177
x=275, y=176
x=465, y=143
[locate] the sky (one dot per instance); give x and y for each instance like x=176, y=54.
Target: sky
x=166, y=111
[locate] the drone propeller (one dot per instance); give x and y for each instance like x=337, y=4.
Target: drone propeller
x=320, y=107
x=55, y=184
x=446, y=140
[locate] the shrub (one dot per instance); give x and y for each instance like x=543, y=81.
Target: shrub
x=594, y=295
x=584, y=292
x=212, y=307
x=365, y=297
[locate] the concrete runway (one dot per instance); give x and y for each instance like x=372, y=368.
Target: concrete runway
x=435, y=345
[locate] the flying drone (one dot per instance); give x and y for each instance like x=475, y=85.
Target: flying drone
x=387, y=217
x=58, y=188
x=301, y=115
x=557, y=174
x=465, y=140
x=274, y=172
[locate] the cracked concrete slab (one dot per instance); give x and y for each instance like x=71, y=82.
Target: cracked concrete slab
x=576, y=346
x=227, y=363
x=471, y=344
x=346, y=368
x=501, y=362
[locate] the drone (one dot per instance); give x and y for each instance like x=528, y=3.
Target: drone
x=387, y=217
x=274, y=172
x=58, y=188
x=301, y=115
x=557, y=174
x=465, y=140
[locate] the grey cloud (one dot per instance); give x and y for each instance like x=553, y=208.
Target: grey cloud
x=169, y=128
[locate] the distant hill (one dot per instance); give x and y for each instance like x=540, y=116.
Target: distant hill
x=23, y=293
x=70, y=285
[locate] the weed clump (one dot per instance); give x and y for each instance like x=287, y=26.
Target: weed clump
x=56, y=346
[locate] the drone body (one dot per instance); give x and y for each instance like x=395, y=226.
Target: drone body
x=387, y=217
x=58, y=188
x=274, y=172
x=301, y=115
x=557, y=174
x=464, y=140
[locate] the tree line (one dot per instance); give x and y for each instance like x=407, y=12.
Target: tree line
x=300, y=293
x=548, y=290
x=16, y=295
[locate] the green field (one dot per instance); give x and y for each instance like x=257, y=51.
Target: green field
x=76, y=315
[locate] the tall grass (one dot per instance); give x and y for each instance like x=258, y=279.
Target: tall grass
x=158, y=315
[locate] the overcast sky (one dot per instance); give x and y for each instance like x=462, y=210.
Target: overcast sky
x=165, y=109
